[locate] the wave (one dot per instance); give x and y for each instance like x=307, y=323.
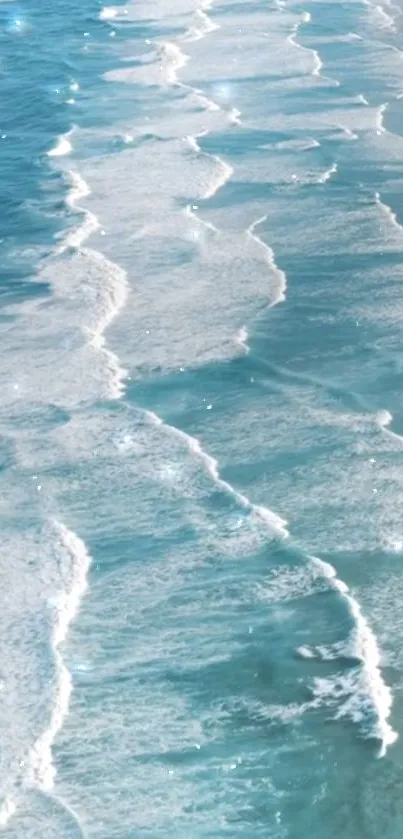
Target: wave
x=224, y=169
x=361, y=694
x=62, y=147
x=171, y=59
x=388, y=212
x=74, y=563
x=322, y=179
x=384, y=419
x=197, y=220
x=317, y=61
x=380, y=128
x=269, y=257
x=386, y=19
x=202, y=28
x=367, y=693
x=115, y=286
x=276, y=524
x=79, y=189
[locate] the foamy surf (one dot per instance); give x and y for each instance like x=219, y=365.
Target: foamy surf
x=317, y=63
x=202, y=27
x=115, y=289
x=388, y=212
x=384, y=419
x=328, y=174
x=276, y=525
x=379, y=126
x=367, y=693
x=269, y=258
x=77, y=237
x=74, y=565
x=7, y=810
x=62, y=147
x=241, y=339
x=171, y=59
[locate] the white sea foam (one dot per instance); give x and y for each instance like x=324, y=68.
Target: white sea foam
x=224, y=170
x=234, y=116
x=62, y=147
x=317, y=63
x=269, y=255
x=108, y=13
x=366, y=691
x=384, y=419
x=201, y=28
x=380, y=128
x=387, y=21
x=90, y=224
x=391, y=216
x=276, y=524
x=171, y=59
x=198, y=223
x=74, y=565
x=328, y=174
x=305, y=652
x=223, y=175
x=7, y=810
x=115, y=282
x=241, y=339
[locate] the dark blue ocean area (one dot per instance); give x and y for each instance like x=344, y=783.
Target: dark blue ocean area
x=201, y=427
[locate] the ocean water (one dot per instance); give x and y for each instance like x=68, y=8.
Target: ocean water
x=201, y=433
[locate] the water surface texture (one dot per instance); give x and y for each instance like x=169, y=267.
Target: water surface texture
x=201, y=435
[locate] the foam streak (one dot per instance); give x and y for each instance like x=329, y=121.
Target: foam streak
x=371, y=691
x=276, y=524
x=76, y=562
x=269, y=256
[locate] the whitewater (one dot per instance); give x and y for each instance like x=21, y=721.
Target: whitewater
x=201, y=422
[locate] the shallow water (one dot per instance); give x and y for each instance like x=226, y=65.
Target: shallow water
x=201, y=423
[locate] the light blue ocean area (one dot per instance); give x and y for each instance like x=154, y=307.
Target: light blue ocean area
x=201, y=288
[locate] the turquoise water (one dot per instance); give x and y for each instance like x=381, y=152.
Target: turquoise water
x=201, y=420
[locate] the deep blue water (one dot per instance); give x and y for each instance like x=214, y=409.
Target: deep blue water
x=201, y=420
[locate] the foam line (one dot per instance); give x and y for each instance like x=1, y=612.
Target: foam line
x=269, y=255
x=384, y=420
x=62, y=147
x=200, y=31
x=388, y=20
x=380, y=128
x=371, y=688
x=370, y=691
x=276, y=524
x=241, y=339
x=224, y=169
x=75, y=565
x=328, y=174
x=388, y=212
x=76, y=238
x=172, y=60
x=221, y=179
x=317, y=61
x=190, y=214
x=115, y=292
